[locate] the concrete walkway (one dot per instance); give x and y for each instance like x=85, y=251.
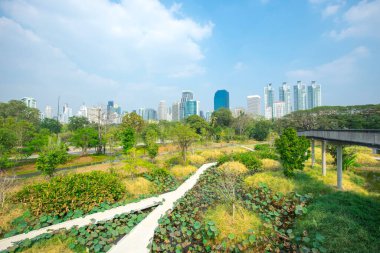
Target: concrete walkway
x=138, y=239
x=84, y=221
x=247, y=148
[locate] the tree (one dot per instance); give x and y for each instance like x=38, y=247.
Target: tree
x=348, y=157
x=134, y=121
x=52, y=155
x=241, y=123
x=197, y=123
x=52, y=125
x=293, y=151
x=260, y=130
x=20, y=112
x=85, y=138
x=150, y=139
x=221, y=117
x=128, y=139
x=184, y=136
x=76, y=123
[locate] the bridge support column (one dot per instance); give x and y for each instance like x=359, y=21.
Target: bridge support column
x=323, y=158
x=339, y=157
x=312, y=153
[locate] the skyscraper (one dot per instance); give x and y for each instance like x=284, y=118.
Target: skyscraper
x=285, y=96
x=279, y=109
x=186, y=96
x=313, y=95
x=162, y=110
x=299, y=96
x=48, y=112
x=82, y=111
x=268, y=101
x=29, y=102
x=221, y=99
x=191, y=108
x=253, y=105
x=176, y=111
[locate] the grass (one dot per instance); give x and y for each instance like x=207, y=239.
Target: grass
x=239, y=225
x=366, y=160
x=235, y=168
x=211, y=155
x=181, y=172
x=8, y=213
x=275, y=180
x=52, y=245
x=270, y=164
x=138, y=186
x=196, y=159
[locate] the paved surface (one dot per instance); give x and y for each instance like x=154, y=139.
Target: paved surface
x=138, y=239
x=84, y=221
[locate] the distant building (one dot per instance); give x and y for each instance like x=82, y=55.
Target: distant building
x=268, y=101
x=66, y=114
x=279, y=109
x=191, y=108
x=176, y=111
x=94, y=114
x=150, y=114
x=285, y=96
x=314, y=98
x=82, y=111
x=48, y=112
x=162, y=110
x=186, y=96
x=299, y=96
x=236, y=112
x=208, y=116
x=221, y=100
x=254, y=105
x=29, y=102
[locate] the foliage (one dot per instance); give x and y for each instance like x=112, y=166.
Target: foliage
x=211, y=155
x=182, y=172
x=222, y=118
x=77, y=122
x=150, y=138
x=85, y=138
x=199, y=124
x=162, y=178
x=184, y=136
x=19, y=111
x=262, y=147
x=276, y=181
x=241, y=123
x=134, y=121
x=128, y=138
x=293, y=151
x=348, y=156
x=270, y=164
x=366, y=159
x=196, y=159
x=260, y=130
x=138, y=186
x=63, y=194
x=52, y=155
x=52, y=125
x=249, y=159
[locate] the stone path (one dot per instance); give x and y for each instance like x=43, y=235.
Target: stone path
x=138, y=239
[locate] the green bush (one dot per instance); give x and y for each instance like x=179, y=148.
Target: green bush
x=175, y=160
x=162, y=178
x=262, y=147
x=68, y=193
x=249, y=159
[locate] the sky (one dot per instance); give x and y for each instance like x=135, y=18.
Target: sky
x=138, y=52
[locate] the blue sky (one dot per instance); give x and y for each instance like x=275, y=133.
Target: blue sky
x=138, y=52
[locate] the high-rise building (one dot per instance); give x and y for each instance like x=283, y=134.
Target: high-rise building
x=208, y=116
x=221, y=99
x=82, y=111
x=268, y=101
x=254, y=105
x=279, y=108
x=191, y=108
x=29, y=102
x=285, y=96
x=186, y=96
x=162, y=110
x=150, y=114
x=314, y=95
x=176, y=111
x=236, y=112
x=48, y=112
x=299, y=96
x=67, y=113
x=94, y=114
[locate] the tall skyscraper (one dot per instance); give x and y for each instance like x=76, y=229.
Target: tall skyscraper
x=186, y=96
x=162, y=110
x=29, y=102
x=67, y=113
x=236, y=112
x=279, y=109
x=82, y=111
x=221, y=99
x=285, y=96
x=268, y=101
x=48, y=112
x=191, y=108
x=150, y=114
x=299, y=96
x=176, y=111
x=254, y=105
x=314, y=95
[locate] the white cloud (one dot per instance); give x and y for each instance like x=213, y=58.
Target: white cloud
x=361, y=20
x=331, y=10
x=239, y=66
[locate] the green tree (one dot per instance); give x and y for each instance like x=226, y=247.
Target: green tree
x=241, y=123
x=52, y=125
x=184, y=136
x=150, y=139
x=222, y=117
x=197, y=123
x=52, y=155
x=128, y=139
x=77, y=122
x=39, y=140
x=85, y=138
x=134, y=121
x=19, y=111
x=293, y=151
x=260, y=130
x=348, y=157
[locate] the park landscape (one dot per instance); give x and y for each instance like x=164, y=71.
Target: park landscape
x=262, y=194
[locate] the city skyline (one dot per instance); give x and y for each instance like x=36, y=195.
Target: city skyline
x=121, y=56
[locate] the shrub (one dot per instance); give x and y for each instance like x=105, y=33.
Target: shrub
x=270, y=164
x=249, y=159
x=262, y=147
x=162, y=178
x=366, y=159
x=196, y=159
x=67, y=193
x=211, y=155
x=136, y=167
x=276, y=181
x=175, y=160
x=181, y=172
x=235, y=168
x=138, y=186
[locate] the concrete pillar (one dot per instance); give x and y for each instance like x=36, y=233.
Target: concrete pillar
x=312, y=153
x=323, y=158
x=339, y=157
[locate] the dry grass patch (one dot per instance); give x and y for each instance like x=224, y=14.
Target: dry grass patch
x=53, y=245
x=232, y=150
x=270, y=164
x=233, y=168
x=196, y=159
x=138, y=186
x=181, y=172
x=318, y=156
x=275, y=180
x=238, y=225
x=8, y=213
x=211, y=155
x=366, y=159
